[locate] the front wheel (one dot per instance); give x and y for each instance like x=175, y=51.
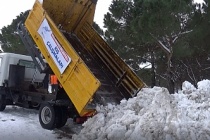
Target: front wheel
x=47, y=116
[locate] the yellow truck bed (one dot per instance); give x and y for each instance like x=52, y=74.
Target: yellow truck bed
x=87, y=68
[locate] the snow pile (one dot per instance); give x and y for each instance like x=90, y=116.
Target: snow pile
x=154, y=114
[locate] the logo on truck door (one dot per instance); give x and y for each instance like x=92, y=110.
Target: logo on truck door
x=56, y=51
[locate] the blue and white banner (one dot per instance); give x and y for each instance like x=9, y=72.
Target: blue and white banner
x=54, y=48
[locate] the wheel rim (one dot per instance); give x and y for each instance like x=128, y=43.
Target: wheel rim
x=46, y=115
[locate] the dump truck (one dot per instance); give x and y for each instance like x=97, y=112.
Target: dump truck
x=61, y=41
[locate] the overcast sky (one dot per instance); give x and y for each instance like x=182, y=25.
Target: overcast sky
x=9, y=9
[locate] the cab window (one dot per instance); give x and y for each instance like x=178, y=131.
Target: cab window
x=27, y=64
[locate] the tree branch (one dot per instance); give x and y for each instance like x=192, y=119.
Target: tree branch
x=161, y=44
x=179, y=34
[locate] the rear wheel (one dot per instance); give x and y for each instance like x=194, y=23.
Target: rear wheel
x=61, y=111
x=47, y=116
x=2, y=103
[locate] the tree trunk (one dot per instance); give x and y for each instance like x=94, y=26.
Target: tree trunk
x=170, y=82
x=170, y=74
x=153, y=77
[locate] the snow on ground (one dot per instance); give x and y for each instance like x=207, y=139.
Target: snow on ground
x=17, y=123
x=154, y=114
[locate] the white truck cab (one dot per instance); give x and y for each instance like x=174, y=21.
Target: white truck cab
x=31, y=73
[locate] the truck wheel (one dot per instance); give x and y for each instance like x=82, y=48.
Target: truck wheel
x=47, y=116
x=62, y=116
x=2, y=103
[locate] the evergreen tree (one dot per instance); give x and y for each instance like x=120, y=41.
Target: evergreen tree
x=200, y=36
x=124, y=40
x=163, y=22
x=137, y=27
x=9, y=39
x=199, y=42
x=119, y=34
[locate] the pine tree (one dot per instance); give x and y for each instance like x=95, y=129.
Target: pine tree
x=9, y=39
x=162, y=31
x=163, y=22
x=199, y=43
x=119, y=34
x=124, y=40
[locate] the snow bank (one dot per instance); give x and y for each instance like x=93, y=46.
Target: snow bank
x=154, y=114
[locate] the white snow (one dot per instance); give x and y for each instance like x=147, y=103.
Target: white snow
x=17, y=123
x=154, y=114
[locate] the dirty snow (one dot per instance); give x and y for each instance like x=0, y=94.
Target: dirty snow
x=154, y=114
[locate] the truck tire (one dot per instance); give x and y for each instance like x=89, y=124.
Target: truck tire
x=2, y=103
x=62, y=116
x=47, y=116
